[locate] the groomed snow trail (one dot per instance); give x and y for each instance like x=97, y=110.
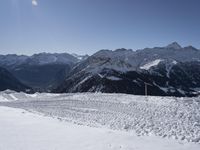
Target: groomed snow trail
x=22, y=130
x=169, y=117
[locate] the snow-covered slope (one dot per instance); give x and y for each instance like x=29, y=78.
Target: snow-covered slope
x=168, y=117
x=22, y=130
x=80, y=57
x=151, y=64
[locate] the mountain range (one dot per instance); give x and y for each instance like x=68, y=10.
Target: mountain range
x=171, y=70
x=40, y=71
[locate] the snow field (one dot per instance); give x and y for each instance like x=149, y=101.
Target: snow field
x=22, y=130
x=169, y=117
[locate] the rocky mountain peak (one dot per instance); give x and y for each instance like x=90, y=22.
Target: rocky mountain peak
x=174, y=45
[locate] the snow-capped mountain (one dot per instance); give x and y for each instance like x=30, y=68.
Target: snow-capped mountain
x=169, y=70
x=39, y=71
x=48, y=58
x=128, y=60
x=12, y=60
x=174, y=45
x=8, y=81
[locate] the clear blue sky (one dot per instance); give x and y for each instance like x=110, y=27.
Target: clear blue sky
x=85, y=26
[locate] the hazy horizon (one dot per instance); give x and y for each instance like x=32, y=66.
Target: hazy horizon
x=86, y=26
x=51, y=52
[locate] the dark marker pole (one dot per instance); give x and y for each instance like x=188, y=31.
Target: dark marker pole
x=146, y=90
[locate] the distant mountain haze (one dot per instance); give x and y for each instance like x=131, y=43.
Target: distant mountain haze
x=8, y=81
x=171, y=70
x=40, y=71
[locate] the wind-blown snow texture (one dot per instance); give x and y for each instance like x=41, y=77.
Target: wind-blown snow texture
x=177, y=118
x=21, y=130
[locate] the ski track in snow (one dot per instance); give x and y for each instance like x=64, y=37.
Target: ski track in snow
x=177, y=118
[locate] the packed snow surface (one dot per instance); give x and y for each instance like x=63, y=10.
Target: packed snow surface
x=176, y=119
x=22, y=130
